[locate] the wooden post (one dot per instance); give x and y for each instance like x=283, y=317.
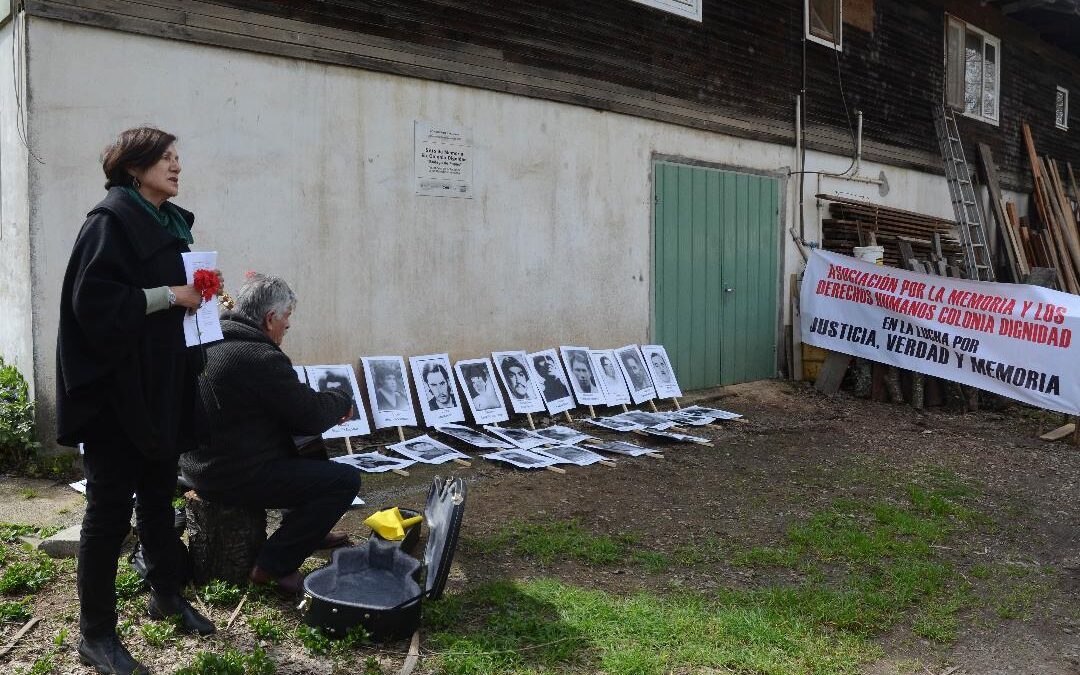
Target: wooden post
x=676, y=402
x=555, y=469
x=400, y=472
x=624, y=408
x=592, y=412
x=400, y=434
x=528, y=416
x=462, y=462
x=348, y=445
x=569, y=420
x=652, y=405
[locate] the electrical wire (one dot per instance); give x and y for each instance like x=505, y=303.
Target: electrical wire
x=18, y=26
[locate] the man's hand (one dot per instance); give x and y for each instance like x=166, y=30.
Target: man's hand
x=347, y=415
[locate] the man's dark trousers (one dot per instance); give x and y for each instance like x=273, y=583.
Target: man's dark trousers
x=115, y=469
x=313, y=495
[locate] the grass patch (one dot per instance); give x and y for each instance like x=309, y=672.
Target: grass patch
x=10, y=532
x=549, y=541
x=318, y=643
x=545, y=624
x=230, y=662
x=267, y=626
x=128, y=583
x=159, y=633
x=29, y=574
x=15, y=612
x=221, y=593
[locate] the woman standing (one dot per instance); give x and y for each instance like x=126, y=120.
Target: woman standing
x=126, y=384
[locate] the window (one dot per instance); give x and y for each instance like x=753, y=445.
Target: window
x=691, y=9
x=972, y=71
x=1061, y=108
x=824, y=22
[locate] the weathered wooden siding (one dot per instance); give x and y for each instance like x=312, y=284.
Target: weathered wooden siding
x=736, y=72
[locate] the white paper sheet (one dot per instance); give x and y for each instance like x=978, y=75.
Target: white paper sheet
x=514, y=372
x=522, y=438
x=471, y=436
x=426, y=450
x=522, y=459
x=435, y=385
x=201, y=326
x=388, y=391
x=659, y=366
x=564, y=435
x=373, y=462
x=614, y=424
x=324, y=378
x=571, y=454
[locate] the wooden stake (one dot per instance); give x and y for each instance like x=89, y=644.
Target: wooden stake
x=236, y=612
x=1059, y=433
x=400, y=434
x=657, y=455
x=652, y=405
x=18, y=636
x=607, y=462
x=555, y=469
x=676, y=402
x=528, y=416
x=400, y=472
x=592, y=412
x=413, y=656
x=462, y=462
x=348, y=445
x=569, y=420
x=624, y=408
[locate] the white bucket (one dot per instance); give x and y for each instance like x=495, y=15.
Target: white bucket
x=874, y=254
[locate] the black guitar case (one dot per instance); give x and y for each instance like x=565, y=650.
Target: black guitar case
x=377, y=585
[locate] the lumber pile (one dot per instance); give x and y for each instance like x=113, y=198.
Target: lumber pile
x=1057, y=243
x=851, y=223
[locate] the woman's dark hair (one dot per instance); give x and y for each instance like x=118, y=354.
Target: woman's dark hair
x=137, y=148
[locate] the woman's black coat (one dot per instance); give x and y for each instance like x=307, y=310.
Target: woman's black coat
x=109, y=351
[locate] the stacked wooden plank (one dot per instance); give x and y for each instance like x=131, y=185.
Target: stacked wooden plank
x=851, y=223
x=1057, y=245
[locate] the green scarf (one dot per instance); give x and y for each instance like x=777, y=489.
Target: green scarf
x=168, y=215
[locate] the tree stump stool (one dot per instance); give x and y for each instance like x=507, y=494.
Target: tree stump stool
x=223, y=540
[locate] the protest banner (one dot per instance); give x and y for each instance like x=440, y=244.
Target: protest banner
x=1010, y=339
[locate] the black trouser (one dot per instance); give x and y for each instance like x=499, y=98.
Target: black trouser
x=115, y=469
x=313, y=495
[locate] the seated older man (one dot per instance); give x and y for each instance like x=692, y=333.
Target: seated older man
x=255, y=406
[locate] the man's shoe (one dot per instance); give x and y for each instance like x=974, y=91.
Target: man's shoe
x=335, y=539
x=109, y=655
x=290, y=584
x=163, y=606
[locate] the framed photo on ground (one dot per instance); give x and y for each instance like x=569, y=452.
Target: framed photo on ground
x=587, y=390
x=437, y=388
x=609, y=375
x=471, y=436
x=485, y=399
x=342, y=378
x=631, y=362
x=571, y=454
x=563, y=435
x=659, y=367
x=518, y=380
x=374, y=462
x=427, y=450
x=389, y=392
x=550, y=379
x=523, y=459
x=522, y=438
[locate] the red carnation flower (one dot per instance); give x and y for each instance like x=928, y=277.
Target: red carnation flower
x=207, y=283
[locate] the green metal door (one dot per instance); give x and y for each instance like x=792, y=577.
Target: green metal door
x=716, y=276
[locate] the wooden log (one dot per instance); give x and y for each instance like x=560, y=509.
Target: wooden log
x=831, y=373
x=224, y=540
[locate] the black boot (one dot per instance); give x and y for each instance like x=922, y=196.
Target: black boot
x=109, y=655
x=162, y=606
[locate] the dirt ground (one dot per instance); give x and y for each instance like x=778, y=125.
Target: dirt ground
x=797, y=453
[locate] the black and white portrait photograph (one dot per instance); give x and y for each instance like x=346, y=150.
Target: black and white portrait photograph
x=674, y=436
x=681, y=417
x=633, y=368
x=518, y=381
x=609, y=375
x=551, y=381
x=564, y=435
x=587, y=390
x=437, y=389
x=621, y=448
x=374, y=462
x=342, y=378
x=572, y=454
x=523, y=459
x=485, y=399
x=615, y=424
x=659, y=366
x=389, y=392
x=522, y=438
x=714, y=413
x=426, y=450
x=471, y=436
x=645, y=419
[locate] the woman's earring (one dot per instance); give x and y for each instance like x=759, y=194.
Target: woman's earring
x=135, y=182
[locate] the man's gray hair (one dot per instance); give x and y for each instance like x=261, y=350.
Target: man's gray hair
x=261, y=294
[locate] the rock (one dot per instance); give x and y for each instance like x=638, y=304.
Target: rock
x=63, y=544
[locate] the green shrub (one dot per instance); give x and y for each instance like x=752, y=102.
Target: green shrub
x=17, y=445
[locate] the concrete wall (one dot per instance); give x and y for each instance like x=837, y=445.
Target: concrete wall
x=306, y=171
x=16, y=343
